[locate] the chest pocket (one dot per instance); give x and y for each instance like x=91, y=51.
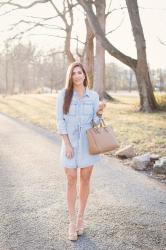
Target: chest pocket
x=87, y=108
x=73, y=109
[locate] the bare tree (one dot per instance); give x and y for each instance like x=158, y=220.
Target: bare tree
x=147, y=99
x=88, y=53
x=139, y=65
x=99, y=69
x=66, y=15
x=130, y=80
x=30, y=70
x=68, y=25
x=6, y=68
x=95, y=65
x=52, y=64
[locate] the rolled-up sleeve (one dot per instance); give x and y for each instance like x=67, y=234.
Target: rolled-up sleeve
x=96, y=119
x=61, y=123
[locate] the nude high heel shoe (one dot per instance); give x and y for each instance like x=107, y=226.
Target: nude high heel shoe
x=80, y=225
x=72, y=233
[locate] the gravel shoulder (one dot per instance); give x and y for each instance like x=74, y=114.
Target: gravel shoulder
x=126, y=209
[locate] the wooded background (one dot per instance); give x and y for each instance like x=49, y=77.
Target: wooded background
x=25, y=69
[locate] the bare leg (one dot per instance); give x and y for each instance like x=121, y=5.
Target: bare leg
x=71, y=175
x=85, y=174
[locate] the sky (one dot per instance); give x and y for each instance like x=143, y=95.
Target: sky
x=153, y=18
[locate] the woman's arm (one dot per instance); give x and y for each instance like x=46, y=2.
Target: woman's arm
x=98, y=109
x=69, y=152
x=61, y=125
x=102, y=105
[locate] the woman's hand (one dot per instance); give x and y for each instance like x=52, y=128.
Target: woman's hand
x=69, y=152
x=102, y=105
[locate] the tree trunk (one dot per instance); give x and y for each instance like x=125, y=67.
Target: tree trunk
x=147, y=99
x=130, y=81
x=13, y=77
x=68, y=53
x=6, y=76
x=67, y=18
x=99, y=64
x=88, y=57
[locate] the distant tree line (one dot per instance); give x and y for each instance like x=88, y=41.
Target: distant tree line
x=23, y=69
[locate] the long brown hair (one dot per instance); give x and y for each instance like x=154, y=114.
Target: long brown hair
x=69, y=85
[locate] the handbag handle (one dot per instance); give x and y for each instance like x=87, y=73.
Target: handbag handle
x=102, y=124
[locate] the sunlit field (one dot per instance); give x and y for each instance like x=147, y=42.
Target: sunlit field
x=147, y=132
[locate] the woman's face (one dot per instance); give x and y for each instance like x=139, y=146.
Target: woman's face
x=78, y=76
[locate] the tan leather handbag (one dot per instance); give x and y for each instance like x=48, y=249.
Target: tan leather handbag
x=101, y=139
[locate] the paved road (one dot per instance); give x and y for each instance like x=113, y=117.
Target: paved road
x=126, y=209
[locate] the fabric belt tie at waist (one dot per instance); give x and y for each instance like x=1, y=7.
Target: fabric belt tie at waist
x=79, y=128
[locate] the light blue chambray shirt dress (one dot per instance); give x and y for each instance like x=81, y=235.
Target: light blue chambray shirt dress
x=81, y=113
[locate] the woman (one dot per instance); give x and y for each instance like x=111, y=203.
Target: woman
x=77, y=107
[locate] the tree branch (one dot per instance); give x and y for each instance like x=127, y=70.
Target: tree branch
x=59, y=13
x=131, y=62
x=113, y=10
x=22, y=6
x=4, y=3
x=8, y=12
x=111, y=31
x=50, y=26
x=109, y=7
x=42, y=18
x=77, y=50
x=163, y=43
x=63, y=37
x=27, y=30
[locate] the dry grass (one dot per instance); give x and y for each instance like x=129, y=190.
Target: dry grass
x=37, y=109
x=147, y=132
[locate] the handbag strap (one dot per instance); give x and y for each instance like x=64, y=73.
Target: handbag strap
x=102, y=123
